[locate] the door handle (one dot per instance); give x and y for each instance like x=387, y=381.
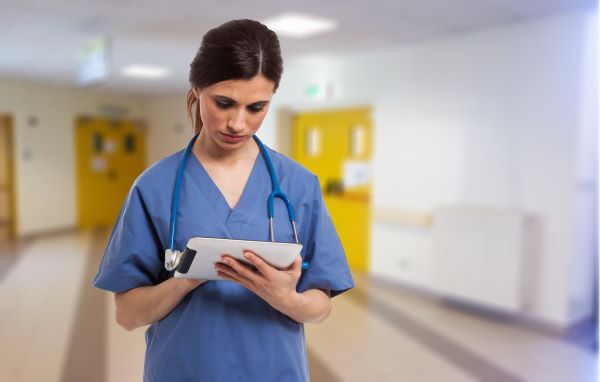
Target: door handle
x=334, y=187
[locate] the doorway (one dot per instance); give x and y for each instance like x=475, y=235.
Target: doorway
x=336, y=145
x=110, y=155
x=7, y=195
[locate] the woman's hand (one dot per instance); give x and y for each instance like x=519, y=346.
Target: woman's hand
x=277, y=287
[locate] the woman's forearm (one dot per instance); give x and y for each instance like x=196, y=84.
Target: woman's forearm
x=311, y=306
x=145, y=305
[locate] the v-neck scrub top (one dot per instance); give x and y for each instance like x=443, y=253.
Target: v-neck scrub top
x=222, y=331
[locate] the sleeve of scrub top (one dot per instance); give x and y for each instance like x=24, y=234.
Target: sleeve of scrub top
x=328, y=267
x=132, y=257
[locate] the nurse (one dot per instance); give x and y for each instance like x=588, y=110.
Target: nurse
x=248, y=327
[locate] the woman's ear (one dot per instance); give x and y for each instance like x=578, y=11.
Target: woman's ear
x=196, y=92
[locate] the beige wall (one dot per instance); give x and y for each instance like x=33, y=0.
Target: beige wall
x=45, y=157
x=169, y=127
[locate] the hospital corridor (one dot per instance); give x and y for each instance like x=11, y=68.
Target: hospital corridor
x=418, y=182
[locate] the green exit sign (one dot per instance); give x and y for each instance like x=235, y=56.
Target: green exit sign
x=319, y=91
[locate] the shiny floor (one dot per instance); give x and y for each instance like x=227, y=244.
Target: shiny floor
x=57, y=327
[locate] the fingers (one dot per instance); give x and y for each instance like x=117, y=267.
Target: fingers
x=226, y=272
x=296, y=265
x=259, y=276
x=237, y=279
x=263, y=267
x=241, y=269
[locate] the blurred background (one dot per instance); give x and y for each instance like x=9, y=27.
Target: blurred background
x=456, y=143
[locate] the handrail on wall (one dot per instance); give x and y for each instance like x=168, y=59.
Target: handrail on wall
x=403, y=217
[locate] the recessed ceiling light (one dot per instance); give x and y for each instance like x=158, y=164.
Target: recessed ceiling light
x=297, y=25
x=148, y=72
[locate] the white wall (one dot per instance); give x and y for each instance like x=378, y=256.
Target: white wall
x=585, y=230
x=490, y=118
x=45, y=154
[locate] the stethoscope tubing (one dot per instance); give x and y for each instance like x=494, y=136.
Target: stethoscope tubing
x=275, y=193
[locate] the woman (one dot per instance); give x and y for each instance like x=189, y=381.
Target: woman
x=250, y=326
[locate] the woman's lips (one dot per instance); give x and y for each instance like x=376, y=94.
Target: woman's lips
x=232, y=138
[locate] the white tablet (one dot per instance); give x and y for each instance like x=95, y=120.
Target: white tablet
x=202, y=253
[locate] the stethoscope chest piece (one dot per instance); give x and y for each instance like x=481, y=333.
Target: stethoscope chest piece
x=172, y=259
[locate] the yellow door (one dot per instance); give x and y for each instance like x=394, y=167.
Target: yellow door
x=336, y=146
x=7, y=200
x=110, y=155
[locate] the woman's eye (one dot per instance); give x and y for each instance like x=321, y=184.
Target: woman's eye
x=255, y=109
x=222, y=104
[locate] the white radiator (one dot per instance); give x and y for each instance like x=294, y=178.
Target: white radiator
x=481, y=256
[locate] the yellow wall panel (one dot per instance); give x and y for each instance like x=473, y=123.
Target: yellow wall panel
x=324, y=142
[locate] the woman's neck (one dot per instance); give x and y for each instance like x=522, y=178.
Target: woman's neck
x=207, y=150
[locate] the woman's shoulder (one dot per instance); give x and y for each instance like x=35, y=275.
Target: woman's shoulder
x=160, y=173
x=294, y=174
x=288, y=167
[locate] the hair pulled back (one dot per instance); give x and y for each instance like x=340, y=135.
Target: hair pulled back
x=238, y=49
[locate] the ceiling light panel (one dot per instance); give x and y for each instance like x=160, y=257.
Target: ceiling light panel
x=299, y=25
x=148, y=72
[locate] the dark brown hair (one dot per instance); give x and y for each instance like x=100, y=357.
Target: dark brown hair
x=238, y=49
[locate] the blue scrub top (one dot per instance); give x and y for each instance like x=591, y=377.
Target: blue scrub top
x=222, y=331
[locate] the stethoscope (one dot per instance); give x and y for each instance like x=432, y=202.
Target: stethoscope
x=173, y=256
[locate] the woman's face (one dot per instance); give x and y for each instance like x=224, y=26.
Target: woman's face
x=233, y=110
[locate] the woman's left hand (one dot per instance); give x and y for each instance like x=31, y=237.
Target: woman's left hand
x=277, y=287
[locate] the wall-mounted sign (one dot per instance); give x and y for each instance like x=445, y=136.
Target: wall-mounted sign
x=356, y=173
x=98, y=164
x=94, y=62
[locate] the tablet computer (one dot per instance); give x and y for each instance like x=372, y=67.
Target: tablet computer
x=202, y=253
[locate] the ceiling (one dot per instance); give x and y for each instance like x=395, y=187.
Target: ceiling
x=41, y=39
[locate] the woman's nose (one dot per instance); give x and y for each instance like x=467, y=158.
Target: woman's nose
x=237, y=121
